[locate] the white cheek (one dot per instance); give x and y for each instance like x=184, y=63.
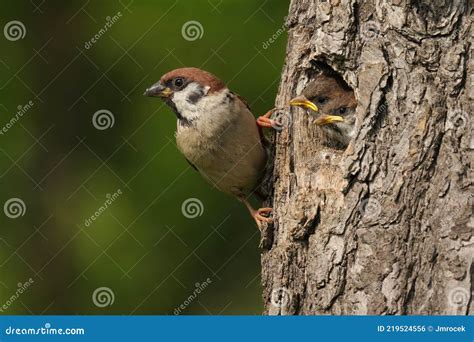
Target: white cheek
x=180, y=99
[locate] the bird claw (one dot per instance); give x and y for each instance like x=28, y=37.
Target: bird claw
x=259, y=217
x=266, y=122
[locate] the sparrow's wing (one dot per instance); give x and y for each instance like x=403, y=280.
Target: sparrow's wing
x=264, y=140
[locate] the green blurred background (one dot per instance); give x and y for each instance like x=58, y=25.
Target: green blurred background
x=148, y=255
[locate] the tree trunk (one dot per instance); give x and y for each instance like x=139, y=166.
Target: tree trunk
x=386, y=226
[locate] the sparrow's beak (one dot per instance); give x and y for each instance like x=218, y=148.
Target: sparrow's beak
x=302, y=101
x=158, y=90
x=328, y=119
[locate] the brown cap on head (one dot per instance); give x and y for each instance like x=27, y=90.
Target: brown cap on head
x=194, y=74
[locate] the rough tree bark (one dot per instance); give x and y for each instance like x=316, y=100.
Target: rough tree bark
x=386, y=226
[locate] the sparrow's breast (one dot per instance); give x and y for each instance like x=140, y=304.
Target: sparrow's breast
x=225, y=145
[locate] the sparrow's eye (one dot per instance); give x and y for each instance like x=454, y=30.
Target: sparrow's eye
x=321, y=100
x=342, y=110
x=178, y=82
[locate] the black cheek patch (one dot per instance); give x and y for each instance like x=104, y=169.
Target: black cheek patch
x=195, y=96
x=229, y=97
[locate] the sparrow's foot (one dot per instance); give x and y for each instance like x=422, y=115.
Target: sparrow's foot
x=266, y=122
x=259, y=215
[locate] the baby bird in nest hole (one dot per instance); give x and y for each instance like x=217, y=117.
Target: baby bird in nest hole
x=335, y=103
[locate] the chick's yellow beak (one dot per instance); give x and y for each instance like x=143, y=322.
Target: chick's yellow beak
x=328, y=119
x=302, y=101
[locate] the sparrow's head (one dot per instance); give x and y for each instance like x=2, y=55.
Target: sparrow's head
x=336, y=104
x=183, y=89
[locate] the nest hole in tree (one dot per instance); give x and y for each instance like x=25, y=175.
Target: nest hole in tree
x=336, y=104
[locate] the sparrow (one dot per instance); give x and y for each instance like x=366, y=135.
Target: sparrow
x=217, y=133
x=335, y=101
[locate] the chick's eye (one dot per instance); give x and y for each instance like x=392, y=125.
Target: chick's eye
x=342, y=110
x=178, y=82
x=321, y=100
